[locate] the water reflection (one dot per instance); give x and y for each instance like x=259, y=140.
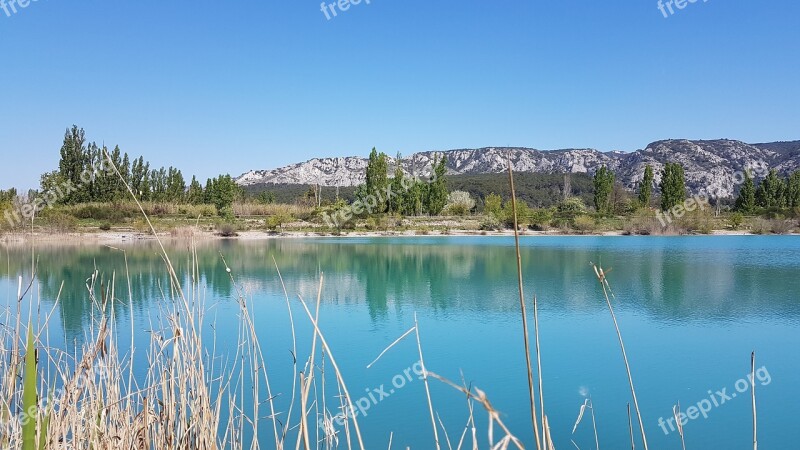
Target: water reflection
x=713, y=278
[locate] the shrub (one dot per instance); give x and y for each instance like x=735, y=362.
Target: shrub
x=277, y=221
x=4, y=224
x=337, y=215
x=584, y=224
x=183, y=232
x=226, y=229
x=424, y=231
x=141, y=226
x=626, y=207
x=541, y=219
x=735, y=220
x=781, y=226
x=159, y=209
x=59, y=221
x=760, y=226
x=489, y=223
x=105, y=226
x=459, y=203
x=570, y=208
x=697, y=221
x=376, y=222
x=493, y=205
x=226, y=212
x=100, y=211
x=523, y=214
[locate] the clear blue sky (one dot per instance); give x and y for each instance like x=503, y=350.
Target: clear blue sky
x=223, y=87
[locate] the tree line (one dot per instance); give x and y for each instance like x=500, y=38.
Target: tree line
x=410, y=196
x=672, y=188
x=772, y=193
x=79, y=158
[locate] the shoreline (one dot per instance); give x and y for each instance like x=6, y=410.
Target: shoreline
x=117, y=237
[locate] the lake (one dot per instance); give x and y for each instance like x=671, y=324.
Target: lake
x=690, y=309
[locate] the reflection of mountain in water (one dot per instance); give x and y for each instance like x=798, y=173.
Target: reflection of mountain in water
x=475, y=274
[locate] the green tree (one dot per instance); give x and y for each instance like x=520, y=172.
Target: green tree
x=72, y=163
x=436, y=197
x=396, y=202
x=746, y=201
x=51, y=182
x=414, y=198
x=6, y=201
x=673, y=186
x=570, y=208
x=125, y=170
x=493, y=205
x=223, y=191
x=176, y=186
x=8, y=196
x=524, y=214
x=145, y=190
x=208, y=192
x=646, y=187
x=158, y=185
x=603, y=185
x=108, y=186
x=793, y=190
x=195, y=193
x=377, y=180
x=770, y=193
x=139, y=172
x=266, y=198
x=98, y=186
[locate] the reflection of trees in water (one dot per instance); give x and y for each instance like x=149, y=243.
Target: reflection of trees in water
x=427, y=272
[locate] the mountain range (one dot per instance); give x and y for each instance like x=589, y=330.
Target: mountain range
x=710, y=165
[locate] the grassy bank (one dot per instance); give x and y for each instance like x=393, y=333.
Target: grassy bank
x=185, y=220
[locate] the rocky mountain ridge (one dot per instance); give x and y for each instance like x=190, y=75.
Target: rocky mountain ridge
x=711, y=166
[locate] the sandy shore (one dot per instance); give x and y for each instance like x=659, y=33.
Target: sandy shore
x=116, y=237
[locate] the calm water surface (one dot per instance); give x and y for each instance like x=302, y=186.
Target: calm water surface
x=691, y=310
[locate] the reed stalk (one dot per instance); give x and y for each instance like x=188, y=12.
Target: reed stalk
x=425, y=381
x=630, y=427
x=753, y=397
x=601, y=276
x=676, y=411
x=531, y=396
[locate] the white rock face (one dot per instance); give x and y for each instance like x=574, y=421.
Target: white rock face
x=712, y=167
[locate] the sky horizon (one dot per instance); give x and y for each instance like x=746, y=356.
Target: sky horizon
x=215, y=88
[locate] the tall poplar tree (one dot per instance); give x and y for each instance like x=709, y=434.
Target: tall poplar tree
x=603, y=186
x=646, y=187
x=673, y=186
x=746, y=201
x=436, y=191
x=377, y=179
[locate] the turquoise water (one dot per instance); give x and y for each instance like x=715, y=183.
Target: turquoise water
x=691, y=310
